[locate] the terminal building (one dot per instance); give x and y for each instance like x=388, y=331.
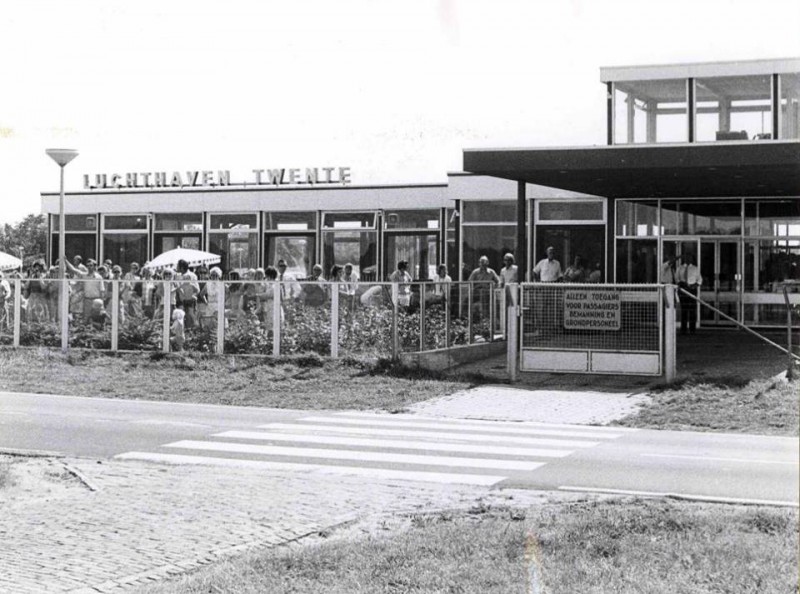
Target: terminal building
x=700, y=159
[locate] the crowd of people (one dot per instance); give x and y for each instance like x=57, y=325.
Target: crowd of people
x=143, y=292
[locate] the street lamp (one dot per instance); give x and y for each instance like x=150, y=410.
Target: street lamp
x=62, y=157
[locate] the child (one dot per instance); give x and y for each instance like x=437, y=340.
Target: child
x=177, y=329
x=98, y=316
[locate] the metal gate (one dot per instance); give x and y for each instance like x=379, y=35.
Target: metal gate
x=591, y=328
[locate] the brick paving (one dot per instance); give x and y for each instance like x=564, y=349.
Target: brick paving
x=148, y=522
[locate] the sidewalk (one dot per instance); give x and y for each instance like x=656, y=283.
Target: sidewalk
x=145, y=522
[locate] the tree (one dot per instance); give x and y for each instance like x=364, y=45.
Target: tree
x=30, y=234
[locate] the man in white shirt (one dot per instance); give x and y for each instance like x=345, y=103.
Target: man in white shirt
x=509, y=274
x=689, y=280
x=548, y=270
x=187, y=292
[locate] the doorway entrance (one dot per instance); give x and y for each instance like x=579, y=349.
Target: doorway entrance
x=719, y=267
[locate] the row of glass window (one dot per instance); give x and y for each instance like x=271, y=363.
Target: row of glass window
x=725, y=108
x=748, y=217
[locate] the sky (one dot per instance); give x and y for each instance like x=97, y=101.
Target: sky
x=393, y=89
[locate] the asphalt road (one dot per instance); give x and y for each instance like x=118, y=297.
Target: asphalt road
x=713, y=466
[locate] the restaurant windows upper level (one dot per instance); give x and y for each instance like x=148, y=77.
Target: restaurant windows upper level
x=724, y=101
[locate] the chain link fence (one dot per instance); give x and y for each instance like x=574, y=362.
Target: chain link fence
x=253, y=317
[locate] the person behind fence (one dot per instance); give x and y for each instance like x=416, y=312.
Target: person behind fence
x=313, y=291
x=187, y=291
x=548, y=269
x=99, y=316
x=268, y=303
x=483, y=280
x=165, y=294
x=53, y=289
x=689, y=280
x=669, y=271
x=5, y=301
x=177, y=330
x=289, y=288
x=92, y=285
x=441, y=286
x=509, y=274
x=402, y=279
x=35, y=289
x=130, y=291
x=596, y=275
x=116, y=277
x=349, y=286
x=575, y=273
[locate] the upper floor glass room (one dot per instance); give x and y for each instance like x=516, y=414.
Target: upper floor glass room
x=722, y=101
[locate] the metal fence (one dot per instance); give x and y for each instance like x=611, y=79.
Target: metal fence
x=254, y=317
x=591, y=328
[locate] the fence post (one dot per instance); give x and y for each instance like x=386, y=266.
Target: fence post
x=17, y=308
x=421, y=317
x=447, y=304
x=791, y=372
x=395, y=333
x=114, y=315
x=167, y=313
x=63, y=306
x=276, y=318
x=335, y=320
x=512, y=336
x=670, y=306
x=469, y=313
x=220, y=317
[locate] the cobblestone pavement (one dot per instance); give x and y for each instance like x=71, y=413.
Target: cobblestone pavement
x=137, y=523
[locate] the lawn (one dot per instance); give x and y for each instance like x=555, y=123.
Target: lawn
x=620, y=546
x=767, y=407
x=300, y=382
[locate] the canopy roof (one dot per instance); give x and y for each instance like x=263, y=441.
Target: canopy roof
x=714, y=169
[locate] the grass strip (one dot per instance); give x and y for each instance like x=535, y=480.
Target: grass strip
x=621, y=546
x=299, y=382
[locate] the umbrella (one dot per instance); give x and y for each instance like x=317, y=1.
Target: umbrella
x=9, y=262
x=192, y=257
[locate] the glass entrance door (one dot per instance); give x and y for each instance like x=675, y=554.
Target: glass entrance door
x=420, y=250
x=719, y=267
x=297, y=250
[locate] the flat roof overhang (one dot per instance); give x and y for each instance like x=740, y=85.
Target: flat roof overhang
x=714, y=169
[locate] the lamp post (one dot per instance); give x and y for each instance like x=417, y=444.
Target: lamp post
x=62, y=157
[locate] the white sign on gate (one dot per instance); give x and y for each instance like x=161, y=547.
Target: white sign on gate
x=592, y=310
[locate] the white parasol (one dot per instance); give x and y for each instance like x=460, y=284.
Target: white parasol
x=9, y=262
x=193, y=258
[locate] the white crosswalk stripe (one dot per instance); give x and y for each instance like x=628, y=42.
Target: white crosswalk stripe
x=396, y=447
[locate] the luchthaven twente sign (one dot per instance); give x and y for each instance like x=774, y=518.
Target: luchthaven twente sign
x=592, y=310
x=311, y=176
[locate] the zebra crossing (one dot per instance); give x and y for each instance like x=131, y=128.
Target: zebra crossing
x=382, y=446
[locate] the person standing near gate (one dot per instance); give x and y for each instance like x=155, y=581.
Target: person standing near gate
x=669, y=271
x=689, y=280
x=548, y=270
x=509, y=274
x=187, y=292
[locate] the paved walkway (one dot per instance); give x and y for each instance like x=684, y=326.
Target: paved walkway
x=145, y=522
x=505, y=403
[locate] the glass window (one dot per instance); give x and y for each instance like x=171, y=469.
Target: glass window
x=75, y=244
x=124, y=248
x=733, y=108
x=233, y=221
x=179, y=222
x=790, y=105
x=774, y=218
x=345, y=220
x=289, y=221
x=421, y=251
x=718, y=217
x=637, y=261
x=571, y=242
x=126, y=222
x=573, y=210
x=778, y=261
x=492, y=241
x=165, y=242
x=637, y=219
x=412, y=219
x=86, y=222
x=490, y=211
x=297, y=251
x=650, y=111
x=359, y=248
x=238, y=251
